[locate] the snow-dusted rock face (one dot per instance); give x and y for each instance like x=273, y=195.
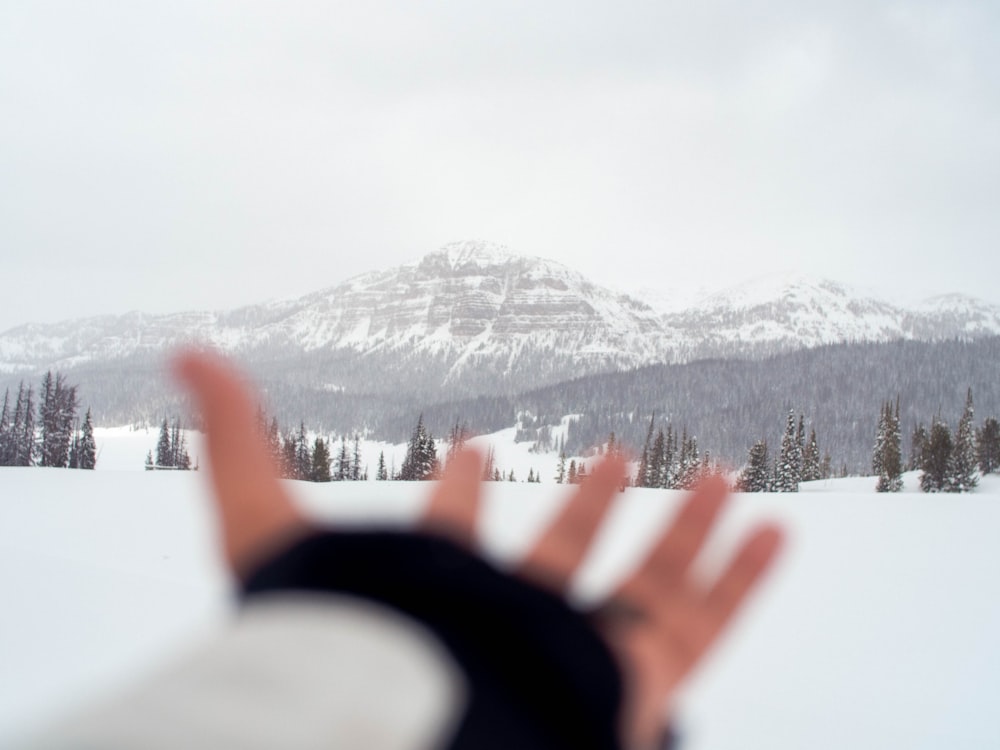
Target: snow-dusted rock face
x=480, y=319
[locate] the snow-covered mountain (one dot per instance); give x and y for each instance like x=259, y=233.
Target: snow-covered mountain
x=476, y=318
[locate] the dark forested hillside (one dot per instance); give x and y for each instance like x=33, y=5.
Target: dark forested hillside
x=727, y=404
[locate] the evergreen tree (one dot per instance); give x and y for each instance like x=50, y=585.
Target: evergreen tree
x=457, y=438
x=356, y=460
x=319, y=471
x=581, y=472
x=74, y=450
x=988, y=446
x=918, y=443
x=690, y=464
x=963, y=475
x=164, y=455
x=561, y=468
x=890, y=460
x=656, y=474
x=878, y=451
x=572, y=472
x=531, y=476
x=496, y=475
x=790, y=461
x=811, y=465
x=488, y=465
x=56, y=413
x=303, y=458
x=274, y=443
x=343, y=472
x=178, y=447
x=289, y=452
x=175, y=443
x=6, y=432
x=756, y=476
x=381, y=474
x=23, y=428
x=420, y=462
x=88, y=446
x=642, y=478
x=937, y=458
x=510, y=476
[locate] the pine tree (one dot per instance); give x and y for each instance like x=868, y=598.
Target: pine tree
x=74, y=450
x=510, y=476
x=489, y=465
x=937, y=458
x=811, y=465
x=789, y=462
x=496, y=475
x=381, y=474
x=456, y=439
x=988, y=446
x=319, y=471
x=6, y=433
x=690, y=464
x=962, y=469
x=572, y=472
x=420, y=462
x=890, y=460
x=878, y=452
x=289, y=451
x=531, y=476
x=642, y=478
x=274, y=443
x=56, y=413
x=164, y=455
x=918, y=443
x=756, y=476
x=23, y=428
x=581, y=472
x=178, y=447
x=303, y=458
x=343, y=472
x=88, y=447
x=561, y=468
x=356, y=460
x=656, y=474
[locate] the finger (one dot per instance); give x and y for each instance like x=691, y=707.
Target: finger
x=562, y=547
x=254, y=510
x=673, y=553
x=744, y=572
x=454, y=505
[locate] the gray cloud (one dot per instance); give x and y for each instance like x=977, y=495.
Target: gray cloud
x=205, y=154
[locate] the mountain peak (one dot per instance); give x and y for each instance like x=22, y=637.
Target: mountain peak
x=465, y=253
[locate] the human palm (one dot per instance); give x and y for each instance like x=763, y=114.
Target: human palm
x=659, y=622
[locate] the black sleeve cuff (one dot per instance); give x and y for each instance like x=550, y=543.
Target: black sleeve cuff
x=539, y=675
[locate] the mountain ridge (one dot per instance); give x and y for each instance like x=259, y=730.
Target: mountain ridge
x=475, y=317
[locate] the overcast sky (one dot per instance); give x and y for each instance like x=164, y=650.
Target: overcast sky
x=185, y=155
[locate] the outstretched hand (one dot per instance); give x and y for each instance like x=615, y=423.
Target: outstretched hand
x=659, y=623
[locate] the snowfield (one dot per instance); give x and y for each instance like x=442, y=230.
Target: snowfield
x=879, y=629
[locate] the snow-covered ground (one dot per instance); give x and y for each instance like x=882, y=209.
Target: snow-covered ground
x=878, y=630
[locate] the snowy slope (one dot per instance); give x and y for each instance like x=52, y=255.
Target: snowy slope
x=878, y=630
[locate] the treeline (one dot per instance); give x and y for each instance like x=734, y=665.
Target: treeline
x=171, y=450
x=728, y=403
x=798, y=460
x=949, y=461
x=54, y=437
